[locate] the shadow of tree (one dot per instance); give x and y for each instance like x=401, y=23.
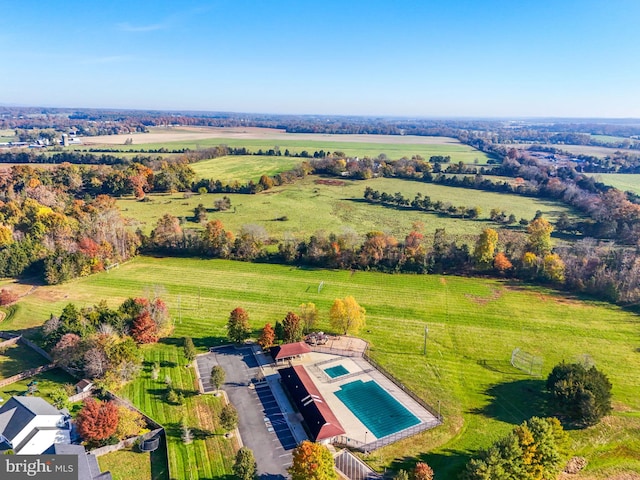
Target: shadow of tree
x=515, y=402
x=500, y=366
x=208, y=342
x=447, y=464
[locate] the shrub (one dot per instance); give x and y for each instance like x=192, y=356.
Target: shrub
x=8, y=296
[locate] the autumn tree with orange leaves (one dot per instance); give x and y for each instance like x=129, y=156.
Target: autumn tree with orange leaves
x=267, y=337
x=312, y=461
x=501, y=263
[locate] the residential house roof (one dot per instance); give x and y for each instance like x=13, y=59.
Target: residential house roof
x=88, y=468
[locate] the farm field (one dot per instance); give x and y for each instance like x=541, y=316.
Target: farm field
x=627, y=182
x=336, y=207
x=474, y=324
x=7, y=135
x=394, y=146
x=573, y=149
x=610, y=139
x=243, y=167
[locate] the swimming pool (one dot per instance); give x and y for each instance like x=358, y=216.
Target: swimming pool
x=336, y=371
x=375, y=408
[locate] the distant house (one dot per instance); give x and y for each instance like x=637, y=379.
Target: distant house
x=83, y=385
x=288, y=351
x=30, y=425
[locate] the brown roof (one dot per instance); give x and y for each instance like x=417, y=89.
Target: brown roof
x=83, y=383
x=289, y=350
x=320, y=420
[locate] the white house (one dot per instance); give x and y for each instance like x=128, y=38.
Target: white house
x=30, y=425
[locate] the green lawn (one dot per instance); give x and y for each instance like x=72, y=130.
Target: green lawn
x=243, y=167
x=627, y=182
x=210, y=455
x=47, y=382
x=338, y=207
x=18, y=358
x=474, y=324
x=127, y=465
x=459, y=152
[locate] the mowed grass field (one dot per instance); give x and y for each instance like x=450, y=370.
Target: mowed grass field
x=127, y=465
x=210, y=455
x=243, y=167
x=474, y=324
x=627, y=182
x=18, y=358
x=311, y=206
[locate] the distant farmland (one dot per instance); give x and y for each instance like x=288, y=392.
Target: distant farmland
x=243, y=167
x=310, y=205
x=394, y=146
x=627, y=182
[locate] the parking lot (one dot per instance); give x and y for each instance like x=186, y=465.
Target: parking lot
x=262, y=425
x=274, y=418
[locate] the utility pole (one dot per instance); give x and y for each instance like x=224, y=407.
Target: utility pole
x=426, y=333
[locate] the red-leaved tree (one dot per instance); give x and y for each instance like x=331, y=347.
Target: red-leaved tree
x=7, y=296
x=422, y=471
x=97, y=421
x=144, y=329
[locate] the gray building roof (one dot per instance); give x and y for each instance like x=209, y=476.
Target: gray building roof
x=88, y=468
x=14, y=417
x=16, y=414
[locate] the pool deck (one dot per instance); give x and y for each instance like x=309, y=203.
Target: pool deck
x=352, y=425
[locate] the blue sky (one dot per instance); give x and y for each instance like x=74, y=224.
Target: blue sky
x=482, y=58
